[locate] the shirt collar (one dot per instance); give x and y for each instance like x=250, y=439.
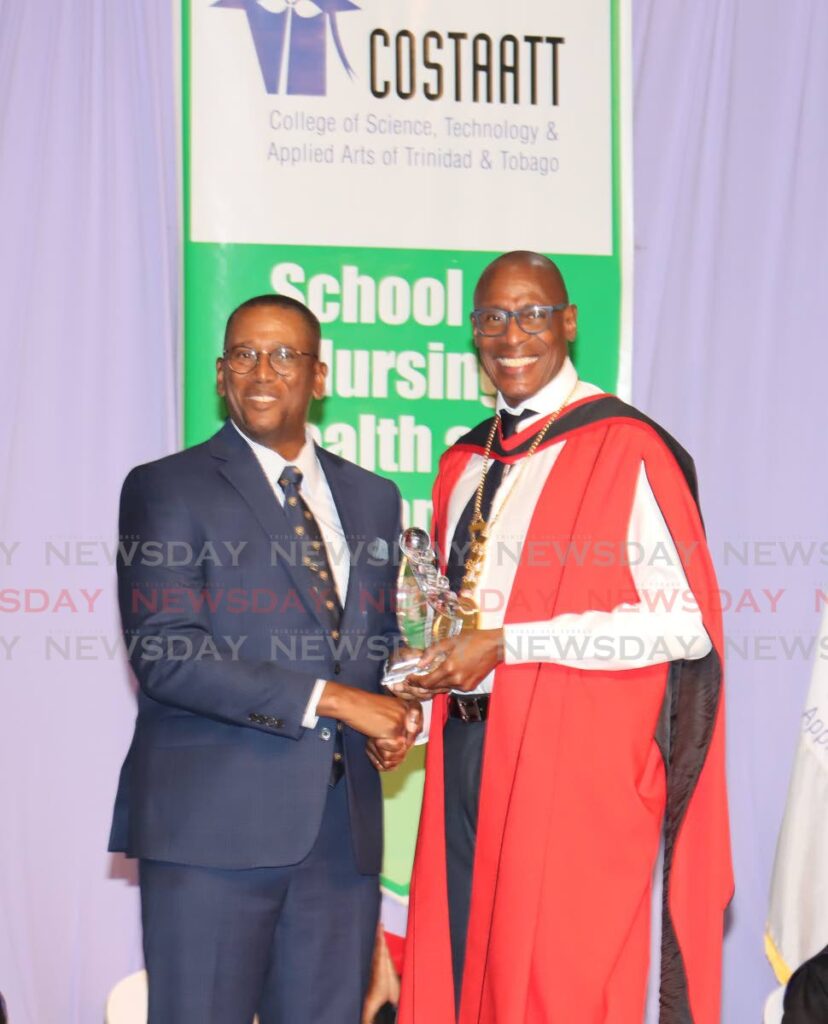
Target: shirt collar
x=273, y=463
x=550, y=397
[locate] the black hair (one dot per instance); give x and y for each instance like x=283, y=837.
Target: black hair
x=274, y=301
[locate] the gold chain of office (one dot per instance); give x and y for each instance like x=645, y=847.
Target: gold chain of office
x=481, y=530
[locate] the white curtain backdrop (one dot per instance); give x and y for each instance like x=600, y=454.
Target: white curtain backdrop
x=89, y=305
x=731, y=275
x=731, y=156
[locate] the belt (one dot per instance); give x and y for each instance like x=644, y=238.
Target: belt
x=469, y=707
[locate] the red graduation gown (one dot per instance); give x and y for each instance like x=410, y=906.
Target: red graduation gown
x=579, y=768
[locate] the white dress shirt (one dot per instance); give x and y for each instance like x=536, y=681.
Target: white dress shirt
x=317, y=495
x=665, y=625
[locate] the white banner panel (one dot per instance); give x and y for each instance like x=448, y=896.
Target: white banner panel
x=435, y=125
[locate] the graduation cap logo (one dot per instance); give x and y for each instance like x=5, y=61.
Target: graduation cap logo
x=290, y=37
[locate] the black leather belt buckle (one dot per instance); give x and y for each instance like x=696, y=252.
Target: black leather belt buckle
x=469, y=707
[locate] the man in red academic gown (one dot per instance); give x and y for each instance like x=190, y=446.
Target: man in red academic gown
x=579, y=726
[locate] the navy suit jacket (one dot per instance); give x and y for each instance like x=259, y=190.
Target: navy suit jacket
x=226, y=645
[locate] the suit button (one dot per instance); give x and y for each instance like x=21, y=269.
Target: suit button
x=337, y=668
x=337, y=756
x=339, y=726
x=324, y=733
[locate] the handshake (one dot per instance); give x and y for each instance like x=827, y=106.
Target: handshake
x=431, y=617
x=457, y=663
x=388, y=751
x=390, y=723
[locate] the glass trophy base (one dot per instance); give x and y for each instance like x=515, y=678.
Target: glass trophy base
x=397, y=672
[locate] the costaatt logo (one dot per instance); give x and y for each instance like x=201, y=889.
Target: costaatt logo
x=291, y=38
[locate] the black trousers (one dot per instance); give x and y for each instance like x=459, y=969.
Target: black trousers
x=463, y=744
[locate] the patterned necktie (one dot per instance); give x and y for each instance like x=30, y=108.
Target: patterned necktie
x=456, y=568
x=315, y=562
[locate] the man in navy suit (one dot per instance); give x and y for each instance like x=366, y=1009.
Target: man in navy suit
x=256, y=582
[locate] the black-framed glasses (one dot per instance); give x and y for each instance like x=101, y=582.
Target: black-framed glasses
x=283, y=358
x=491, y=321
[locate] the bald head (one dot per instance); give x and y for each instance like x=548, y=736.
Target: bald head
x=528, y=353
x=546, y=272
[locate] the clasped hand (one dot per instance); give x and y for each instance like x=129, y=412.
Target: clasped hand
x=458, y=663
x=388, y=751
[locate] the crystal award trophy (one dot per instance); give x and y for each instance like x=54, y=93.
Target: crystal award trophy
x=427, y=609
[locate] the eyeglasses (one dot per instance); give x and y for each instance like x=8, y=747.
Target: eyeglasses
x=491, y=321
x=283, y=359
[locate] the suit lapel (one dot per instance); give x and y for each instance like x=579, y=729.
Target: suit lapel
x=239, y=466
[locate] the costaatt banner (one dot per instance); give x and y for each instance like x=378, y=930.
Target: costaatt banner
x=369, y=157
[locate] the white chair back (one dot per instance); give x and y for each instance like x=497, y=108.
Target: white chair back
x=127, y=1003
x=773, y=1006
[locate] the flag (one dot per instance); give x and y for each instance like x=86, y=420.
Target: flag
x=394, y=917
x=797, y=926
